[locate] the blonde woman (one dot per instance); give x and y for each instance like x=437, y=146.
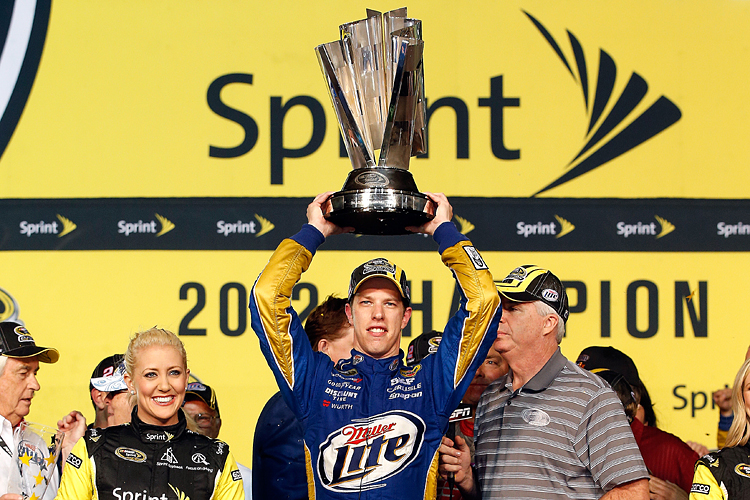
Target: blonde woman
x=725, y=474
x=155, y=455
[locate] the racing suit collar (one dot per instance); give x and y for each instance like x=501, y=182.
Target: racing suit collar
x=390, y=364
x=149, y=433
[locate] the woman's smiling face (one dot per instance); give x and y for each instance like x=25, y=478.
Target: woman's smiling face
x=159, y=379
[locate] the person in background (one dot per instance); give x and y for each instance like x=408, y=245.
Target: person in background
x=723, y=399
x=201, y=404
x=725, y=474
x=462, y=431
x=278, y=448
x=154, y=456
x=547, y=429
x=109, y=394
x=201, y=409
x=19, y=364
x=670, y=460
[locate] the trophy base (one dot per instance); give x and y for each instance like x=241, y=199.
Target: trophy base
x=379, y=211
x=379, y=201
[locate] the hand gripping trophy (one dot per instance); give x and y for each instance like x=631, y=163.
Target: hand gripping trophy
x=375, y=78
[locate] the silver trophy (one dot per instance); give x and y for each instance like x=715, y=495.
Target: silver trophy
x=37, y=448
x=375, y=78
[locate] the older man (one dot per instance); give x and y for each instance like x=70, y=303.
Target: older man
x=19, y=364
x=547, y=429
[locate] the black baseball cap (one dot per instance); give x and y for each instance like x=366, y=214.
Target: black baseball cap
x=422, y=346
x=532, y=283
x=202, y=392
x=598, y=358
x=17, y=342
x=108, y=376
x=380, y=268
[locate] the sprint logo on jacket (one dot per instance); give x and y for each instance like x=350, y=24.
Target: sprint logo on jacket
x=364, y=453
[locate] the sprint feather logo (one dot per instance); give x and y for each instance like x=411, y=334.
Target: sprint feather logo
x=666, y=226
x=266, y=225
x=68, y=225
x=180, y=494
x=621, y=128
x=565, y=226
x=464, y=226
x=166, y=225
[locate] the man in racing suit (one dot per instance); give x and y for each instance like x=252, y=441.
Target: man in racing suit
x=372, y=424
x=139, y=461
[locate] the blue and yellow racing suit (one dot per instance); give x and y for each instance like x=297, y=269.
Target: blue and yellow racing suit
x=373, y=426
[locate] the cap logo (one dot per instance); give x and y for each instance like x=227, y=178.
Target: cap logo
x=581, y=361
x=434, y=343
x=551, y=295
x=23, y=334
x=195, y=386
x=379, y=266
x=518, y=273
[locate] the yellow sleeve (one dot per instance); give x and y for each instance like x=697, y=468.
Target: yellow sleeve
x=77, y=481
x=272, y=296
x=482, y=301
x=229, y=484
x=705, y=486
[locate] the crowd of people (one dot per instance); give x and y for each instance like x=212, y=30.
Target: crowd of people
x=487, y=408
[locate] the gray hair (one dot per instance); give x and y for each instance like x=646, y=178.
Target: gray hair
x=543, y=310
x=3, y=360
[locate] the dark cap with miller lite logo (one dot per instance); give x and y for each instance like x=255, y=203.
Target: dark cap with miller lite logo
x=532, y=283
x=16, y=342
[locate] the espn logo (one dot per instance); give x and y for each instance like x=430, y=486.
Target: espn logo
x=460, y=413
x=702, y=489
x=74, y=461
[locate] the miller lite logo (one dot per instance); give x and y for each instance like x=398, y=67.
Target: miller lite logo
x=363, y=454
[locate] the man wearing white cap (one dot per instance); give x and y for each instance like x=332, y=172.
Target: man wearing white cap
x=109, y=393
